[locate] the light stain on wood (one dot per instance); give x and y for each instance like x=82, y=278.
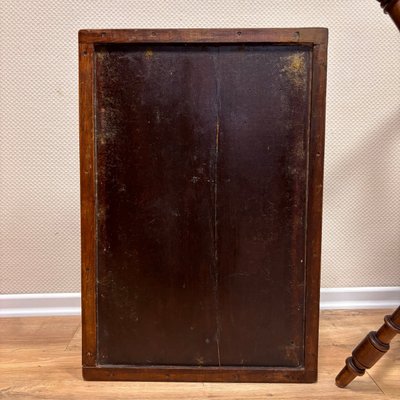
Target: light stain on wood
x=149, y=53
x=295, y=68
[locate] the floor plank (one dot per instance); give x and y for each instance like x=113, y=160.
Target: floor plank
x=40, y=359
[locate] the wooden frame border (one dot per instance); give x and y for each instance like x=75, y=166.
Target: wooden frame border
x=313, y=37
x=88, y=203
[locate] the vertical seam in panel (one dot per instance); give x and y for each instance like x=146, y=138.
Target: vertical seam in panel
x=215, y=272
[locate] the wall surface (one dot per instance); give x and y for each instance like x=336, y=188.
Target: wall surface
x=39, y=165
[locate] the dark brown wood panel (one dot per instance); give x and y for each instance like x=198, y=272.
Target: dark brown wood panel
x=262, y=186
x=156, y=151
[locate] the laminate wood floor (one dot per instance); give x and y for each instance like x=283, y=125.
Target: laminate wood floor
x=40, y=358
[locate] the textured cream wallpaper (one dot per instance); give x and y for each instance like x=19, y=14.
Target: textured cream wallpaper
x=39, y=168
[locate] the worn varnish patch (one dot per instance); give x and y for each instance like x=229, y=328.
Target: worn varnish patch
x=295, y=69
x=148, y=53
x=201, y=187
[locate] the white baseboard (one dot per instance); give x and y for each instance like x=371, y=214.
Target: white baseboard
x=40, y=304
x=360, y=297
x=51, y=304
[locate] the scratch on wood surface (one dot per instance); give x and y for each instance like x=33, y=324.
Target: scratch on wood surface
x=216, y=236
x=217, y=135
x=215, y=266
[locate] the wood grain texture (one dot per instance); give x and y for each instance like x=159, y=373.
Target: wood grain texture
x=40, y=358
x=309, y=36
x=88, y=202
x=202, y=196
x=314, y=212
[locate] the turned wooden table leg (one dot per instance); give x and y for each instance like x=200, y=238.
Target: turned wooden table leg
x=375, y=344
x=370, y=350
x=392, y=7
